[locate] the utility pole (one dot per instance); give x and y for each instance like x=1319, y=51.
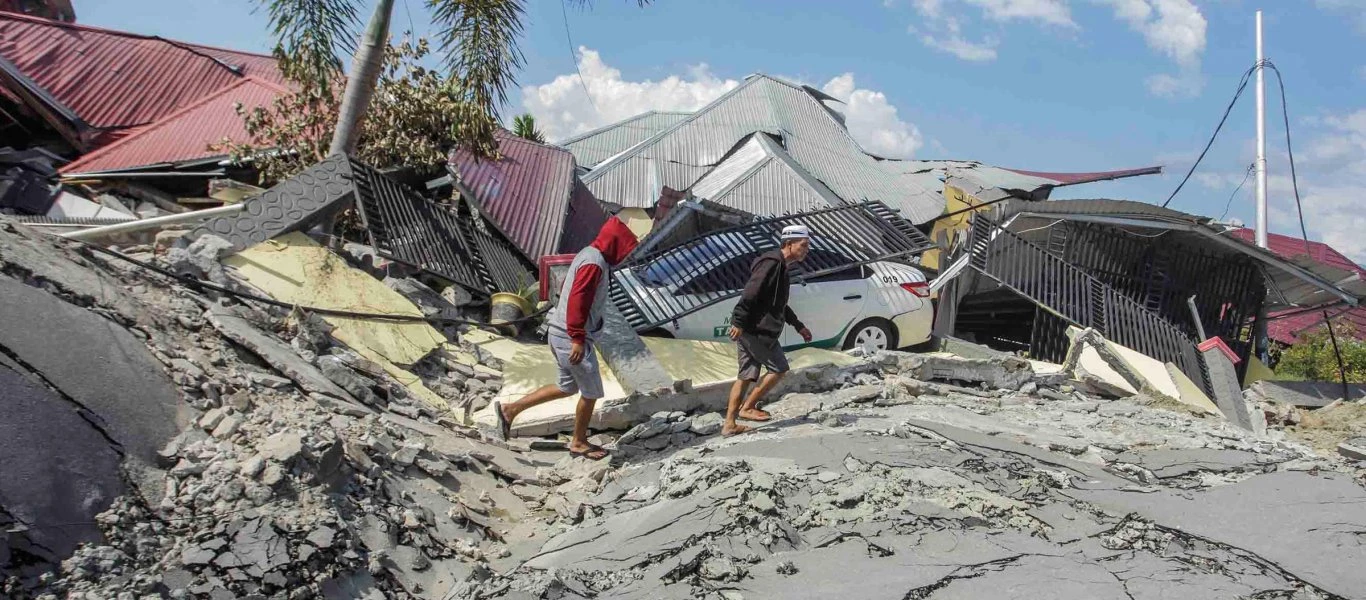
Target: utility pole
x=1261, y=140
x=1260, y=344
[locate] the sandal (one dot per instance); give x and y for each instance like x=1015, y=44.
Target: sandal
x=504, y=426
x=592, y=453
x=739, y=429
x=758, y=415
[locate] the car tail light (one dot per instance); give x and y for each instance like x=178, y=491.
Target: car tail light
x=920, y=288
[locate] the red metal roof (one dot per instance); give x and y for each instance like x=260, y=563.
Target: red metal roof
x=1287, y=246
x=1286, y=326
x=526, y=192
x=184, y=134
x=1076, y=178
x=115, y=80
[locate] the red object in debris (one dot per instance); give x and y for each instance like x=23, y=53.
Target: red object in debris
x=550, y=275
x=1215, y=342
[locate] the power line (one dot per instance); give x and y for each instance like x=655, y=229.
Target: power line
x=575, y=57
x=1242, y=85
x=1250, y=168
x=1304, y=232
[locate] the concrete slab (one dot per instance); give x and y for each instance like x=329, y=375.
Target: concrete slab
x=710, y=366
x=1168, y=463
x=275, y=352
x=293, y=268
x=1309, y=525
x=1189, y=393
x=1306, y=394
x=98, y=365
x=58, y=471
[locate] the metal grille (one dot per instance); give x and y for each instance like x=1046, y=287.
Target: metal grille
x=1072, y=295
x=669, y=284
x=406, y=227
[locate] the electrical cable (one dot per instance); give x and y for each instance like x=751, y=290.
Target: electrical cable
x=1242, y=85
x=565, y=13
x=1227, y=205
x=1304, y=231
x=196, y=283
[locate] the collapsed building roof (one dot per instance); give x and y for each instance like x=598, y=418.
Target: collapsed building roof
x=808, y=137
x=1287, y=325
x=531, y=193
x=98, y=85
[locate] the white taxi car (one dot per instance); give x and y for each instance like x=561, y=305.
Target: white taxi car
x=881, y=305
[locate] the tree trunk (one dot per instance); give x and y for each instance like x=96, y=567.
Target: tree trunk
x=364, y=77
x=360, y=86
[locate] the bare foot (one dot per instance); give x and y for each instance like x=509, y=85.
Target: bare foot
x=736, y=430
x=754, y=414
x=588, y=451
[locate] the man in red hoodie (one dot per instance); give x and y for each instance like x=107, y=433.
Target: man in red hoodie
x=574, y=324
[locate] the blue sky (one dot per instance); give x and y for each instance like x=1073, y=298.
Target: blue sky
x=1060, y=85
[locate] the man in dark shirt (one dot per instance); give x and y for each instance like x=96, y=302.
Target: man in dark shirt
x=757, y=324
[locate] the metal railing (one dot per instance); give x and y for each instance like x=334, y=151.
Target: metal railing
x=406, y=227
x=1073, y=295
x=664, y=286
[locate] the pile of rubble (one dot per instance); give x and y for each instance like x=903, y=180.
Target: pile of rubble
x=287, y=465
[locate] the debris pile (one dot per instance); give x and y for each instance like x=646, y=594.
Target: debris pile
x=290, y=463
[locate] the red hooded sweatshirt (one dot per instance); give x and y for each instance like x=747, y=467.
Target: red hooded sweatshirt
x=614, y=241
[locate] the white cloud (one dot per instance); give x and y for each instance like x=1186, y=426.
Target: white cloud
x=1174, y=28
x=954, y=43
x=873, y=121
x=562, y=109
x=1331, y=167
x=1185, y=84
x=1052, y=12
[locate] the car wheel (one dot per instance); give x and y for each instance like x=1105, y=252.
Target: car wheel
x=659, y=333
x=871, y=334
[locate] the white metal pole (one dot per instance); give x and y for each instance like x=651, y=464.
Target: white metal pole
x=154, y=222
x=1261, y=141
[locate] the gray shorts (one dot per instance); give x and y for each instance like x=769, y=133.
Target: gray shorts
x=758, y=350
x=583, y=378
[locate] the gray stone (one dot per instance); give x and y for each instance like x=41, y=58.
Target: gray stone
x=274, y=382
x=186, y=468
x=335, y=369
x=828, y=476
x=283, y=446
x=658, y=442
x=680, y=426
x=322, y=537
x=228, y=426
x=1226, y=388
x=707, y=424
x=212, y=418
x=680, y=439
x=1354, y=449
x=1168, y=463
x=276, y=353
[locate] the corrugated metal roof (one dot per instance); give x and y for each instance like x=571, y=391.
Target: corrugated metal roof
x=185, y=134
x=116, y=80
x=1289, y=247
x=761, y=176
x=525, y=193
x=586, y=217
x=600, y=144
x=811, y=135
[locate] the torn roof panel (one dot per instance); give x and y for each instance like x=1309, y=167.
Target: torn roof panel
x=1294, y=282
x=185, y=134
x=761, y=177
x=1062, y=179
x=1287, y=246
x=1288, y=325
x=116, y=80
x=598, y=145
x=526, y=192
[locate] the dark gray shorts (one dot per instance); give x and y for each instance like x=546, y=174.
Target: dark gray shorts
x=755, y=351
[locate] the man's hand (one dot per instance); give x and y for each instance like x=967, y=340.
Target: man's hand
x=806, y=334
x=735, y=333
x=576, y=352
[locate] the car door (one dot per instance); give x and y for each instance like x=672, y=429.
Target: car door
x=827, y=305
x=713, y=321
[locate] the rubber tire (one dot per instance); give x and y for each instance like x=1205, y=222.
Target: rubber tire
x=659, y=333
x=883, y=324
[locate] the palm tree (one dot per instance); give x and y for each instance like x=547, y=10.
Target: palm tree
x=524, y=126
x=477, y=37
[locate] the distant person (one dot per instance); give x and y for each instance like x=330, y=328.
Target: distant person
x=575, y=323
x=757, y=325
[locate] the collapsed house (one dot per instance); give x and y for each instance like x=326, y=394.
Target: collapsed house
x=770, y=147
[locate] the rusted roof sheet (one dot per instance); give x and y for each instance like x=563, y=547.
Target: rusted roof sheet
x=185, y=134
x=525, y=193
x=593, y=147
x=115, y=81
x=1287, y=246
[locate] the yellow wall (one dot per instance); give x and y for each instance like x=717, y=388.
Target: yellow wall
x=953, y=227
x=637, y=220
